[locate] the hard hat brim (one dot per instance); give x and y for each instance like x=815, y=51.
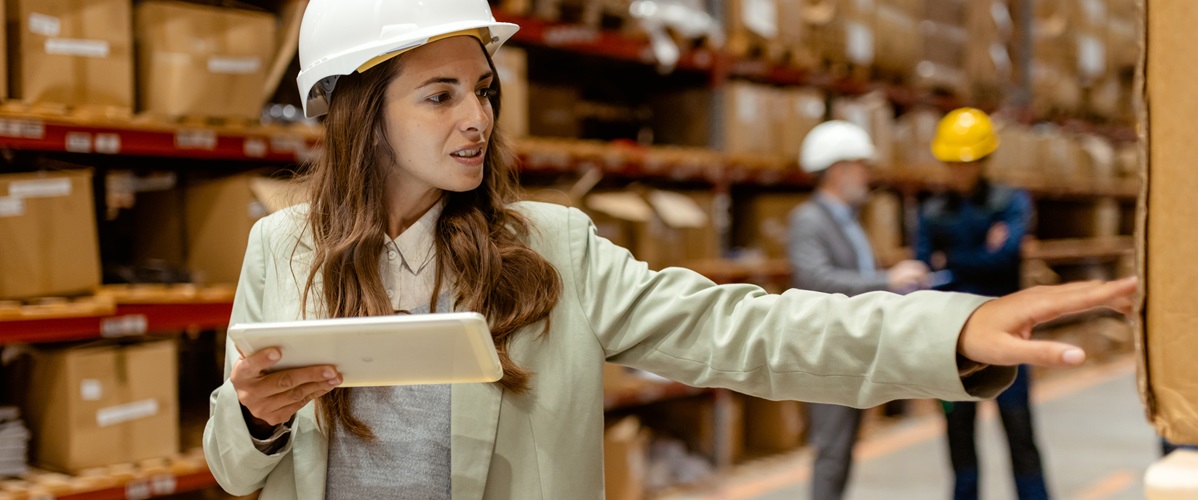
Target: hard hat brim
x=964, y=154
x=316, y=104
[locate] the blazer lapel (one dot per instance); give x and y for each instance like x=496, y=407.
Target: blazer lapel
x=473, y=423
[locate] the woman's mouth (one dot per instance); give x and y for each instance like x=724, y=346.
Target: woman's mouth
x=471, y=156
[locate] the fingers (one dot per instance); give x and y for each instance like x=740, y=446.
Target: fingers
x=1080, y=297
x=1016, y=351
x=297, y=397
x=261, y=360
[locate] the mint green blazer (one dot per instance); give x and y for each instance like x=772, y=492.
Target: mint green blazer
x=548, y=443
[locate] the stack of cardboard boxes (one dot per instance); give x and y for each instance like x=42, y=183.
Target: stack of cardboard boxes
x=193, y=60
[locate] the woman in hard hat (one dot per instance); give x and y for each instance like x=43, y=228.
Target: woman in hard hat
x=974, y=233
x=411, y=207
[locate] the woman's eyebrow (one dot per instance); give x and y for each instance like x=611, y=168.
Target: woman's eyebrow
x=450, y=80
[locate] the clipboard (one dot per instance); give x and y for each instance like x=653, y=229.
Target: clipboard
x=439, y=348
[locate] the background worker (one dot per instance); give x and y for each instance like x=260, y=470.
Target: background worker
x=972, y=234
x=829, y=252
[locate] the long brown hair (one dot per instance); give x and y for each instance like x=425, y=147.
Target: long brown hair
x=479, y=242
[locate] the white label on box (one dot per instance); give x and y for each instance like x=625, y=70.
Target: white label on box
x=123, y=326
x=44, y=25
x=195, y=139
x=108, y=143
x=860, y=43
x=76, y=47
x=11, y=206
x=138, y=489
x=234, y=65
x=255, y=147
x=79, y=142
x=26, y=129
x=761, y=17
x=91, y=389
x=41, y=188
x=1091, y=56
x=746, y=105
x=163, y=484
x=123, y=413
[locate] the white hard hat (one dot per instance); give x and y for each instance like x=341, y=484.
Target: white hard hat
x=835, y=141
x=339, y=37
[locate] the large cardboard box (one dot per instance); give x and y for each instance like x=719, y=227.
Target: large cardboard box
x=799, y=111
x=764, y=221
x=47, y=234
x=72, y=52
x=511, y=64
x=1166, y=238
x=625, y=459
x=748, y=118
x=205, y=226
x=773, y=426
x=103, y=403
x=198, y=60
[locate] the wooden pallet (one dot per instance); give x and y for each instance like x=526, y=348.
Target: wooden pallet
x=56, y=307
x=166, y=294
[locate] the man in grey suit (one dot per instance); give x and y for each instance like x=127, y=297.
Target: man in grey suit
x=829, y=252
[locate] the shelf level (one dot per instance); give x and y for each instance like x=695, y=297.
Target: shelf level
x=157, y=487
x=126, y=320
x=136, y=137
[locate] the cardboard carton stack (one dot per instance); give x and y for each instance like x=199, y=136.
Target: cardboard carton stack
x=76, y=53
x=14, y=443
x=48, y=229
x=103, y=403
x=196, y=60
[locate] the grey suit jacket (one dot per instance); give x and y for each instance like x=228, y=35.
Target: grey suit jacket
x=821, y=256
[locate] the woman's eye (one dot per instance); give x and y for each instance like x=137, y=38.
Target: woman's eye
x=439, y=98
x=488, y=92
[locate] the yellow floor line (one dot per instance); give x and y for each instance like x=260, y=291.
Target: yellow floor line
x=798, y=471
x=1109, y=486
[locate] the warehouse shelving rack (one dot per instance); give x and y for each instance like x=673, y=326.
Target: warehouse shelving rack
x=49, y=132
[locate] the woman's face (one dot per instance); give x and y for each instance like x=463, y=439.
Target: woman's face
x=439, y=117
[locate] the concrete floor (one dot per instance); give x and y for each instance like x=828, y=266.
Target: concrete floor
x=1090, y=426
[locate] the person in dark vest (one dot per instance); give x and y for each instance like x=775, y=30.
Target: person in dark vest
x=971, y=236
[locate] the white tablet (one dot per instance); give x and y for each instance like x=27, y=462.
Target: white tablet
x=440, y=348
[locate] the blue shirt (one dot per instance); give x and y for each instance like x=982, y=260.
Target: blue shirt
x=958, y=227
x=846, y=218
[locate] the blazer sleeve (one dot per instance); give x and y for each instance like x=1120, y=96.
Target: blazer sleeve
x=800, y=345
x=237, y=464
x=811, y=260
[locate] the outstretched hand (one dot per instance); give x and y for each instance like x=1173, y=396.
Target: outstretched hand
x=999, y=332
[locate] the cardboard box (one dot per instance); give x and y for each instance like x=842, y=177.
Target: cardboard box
x=1165, y=233
x=661, y=228
x=799, y=111
x=48, y=230
x=747, y=124
x=773, y=426
x=103, y=403
x=625, y=459
x=764, y=222
x=206, y=226
x=711, y=426
x=511, y=64
x=874, y=113
x=555, y=114
x=71, y=52
x=196, y=60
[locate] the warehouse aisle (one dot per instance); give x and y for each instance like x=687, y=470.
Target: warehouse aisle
x=1091, y=429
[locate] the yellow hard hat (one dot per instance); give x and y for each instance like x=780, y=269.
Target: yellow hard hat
x=964, y=135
